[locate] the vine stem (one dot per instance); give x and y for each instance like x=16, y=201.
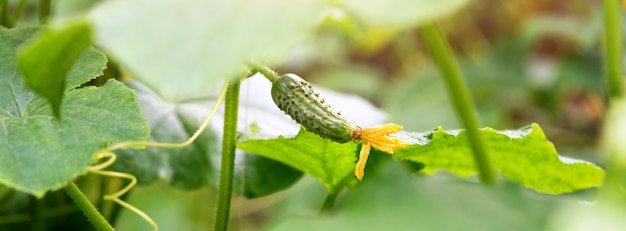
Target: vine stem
x=39, y=222
x=88, y=209
x=5, y=20
x=459, y=94
x=45, y=8
x=612, y=189
x=332, y=195
x=329, y=203
x=613, y=46
x=227, y=167
x=266, y=71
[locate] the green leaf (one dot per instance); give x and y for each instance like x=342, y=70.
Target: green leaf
x=171, y=45
x=393, y=200
x=39, y=153
x=261, y=176
x=47, y=59
x=523, y=156
x=330, y=162
x=401, y=13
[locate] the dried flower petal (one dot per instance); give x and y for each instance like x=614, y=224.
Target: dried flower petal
x=359, y=170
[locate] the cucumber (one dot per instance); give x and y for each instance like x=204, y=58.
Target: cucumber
x=296, y=98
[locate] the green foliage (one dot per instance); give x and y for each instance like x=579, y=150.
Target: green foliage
x=46, y=61
x=41, y=153
x=523, y=156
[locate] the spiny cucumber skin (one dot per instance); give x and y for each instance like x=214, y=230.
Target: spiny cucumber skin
x=296, y=98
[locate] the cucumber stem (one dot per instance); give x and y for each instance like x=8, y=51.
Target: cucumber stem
x=264, y=70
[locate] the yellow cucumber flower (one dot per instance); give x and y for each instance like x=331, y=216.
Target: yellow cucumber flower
x=378, y=137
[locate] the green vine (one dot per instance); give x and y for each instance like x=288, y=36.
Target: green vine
x=459, y=94
x=45, y=9
x=613, y=46
x=4, y=13
x=266, y=71
x=616, y=166
x=229, y=143
x=88, y=209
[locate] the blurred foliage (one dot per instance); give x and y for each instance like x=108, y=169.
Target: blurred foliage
x=524, y=61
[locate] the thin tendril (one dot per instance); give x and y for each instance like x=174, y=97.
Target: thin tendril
x=108, y=153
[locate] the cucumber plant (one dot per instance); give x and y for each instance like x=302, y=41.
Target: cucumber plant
x=30, y=130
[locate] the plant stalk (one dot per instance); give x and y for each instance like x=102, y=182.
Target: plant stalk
x=227, y=167
x=329, y=202
x=38, y=222
x=45, y=9
x=612, y=10
x=5, y=19
x=266, y=71
x=459, y=94
x=612, y=190
x=88, y=209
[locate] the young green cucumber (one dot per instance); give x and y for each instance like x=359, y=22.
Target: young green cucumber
x=296, y=98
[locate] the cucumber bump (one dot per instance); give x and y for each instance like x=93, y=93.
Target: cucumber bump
x=296, y=98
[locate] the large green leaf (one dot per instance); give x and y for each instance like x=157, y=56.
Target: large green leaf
x=46, y=61
x=181, y=48
x=393, y=200
x=523, y=155
x=40, y=153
